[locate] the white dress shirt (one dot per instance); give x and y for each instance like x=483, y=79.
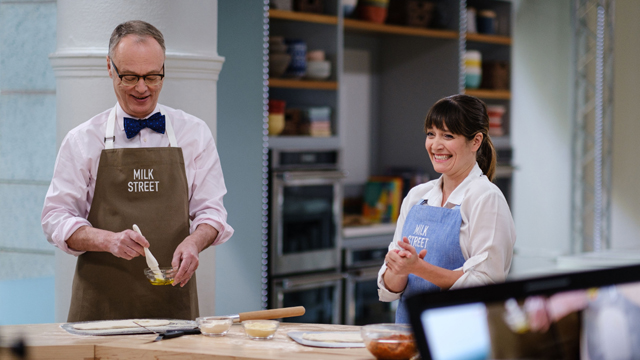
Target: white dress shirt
x=487, y=232
x=68, y=200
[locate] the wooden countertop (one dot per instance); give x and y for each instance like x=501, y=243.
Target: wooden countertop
x=49, y=341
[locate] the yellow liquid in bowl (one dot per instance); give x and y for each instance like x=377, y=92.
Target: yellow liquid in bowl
x=161, y=281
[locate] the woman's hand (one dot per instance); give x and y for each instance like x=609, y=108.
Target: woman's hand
x=404, y=262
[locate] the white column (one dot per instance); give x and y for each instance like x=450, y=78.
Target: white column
x=85, y=89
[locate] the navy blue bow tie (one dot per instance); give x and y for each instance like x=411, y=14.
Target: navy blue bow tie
x=154, y=122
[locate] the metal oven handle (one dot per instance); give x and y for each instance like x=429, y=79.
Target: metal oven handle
x=310, y=175
x=294, y=282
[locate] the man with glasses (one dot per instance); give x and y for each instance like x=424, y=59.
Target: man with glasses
x=138, y=163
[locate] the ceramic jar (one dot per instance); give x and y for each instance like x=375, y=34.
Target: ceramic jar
x=278, y=58
x=348, y=6
x=297, y=49
x=496, y=113
x=373, y=10
x=276, y=116
x=286, y=5
x=487, y=22
x=471, y=21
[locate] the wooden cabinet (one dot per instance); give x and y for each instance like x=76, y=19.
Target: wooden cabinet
x=384, y=79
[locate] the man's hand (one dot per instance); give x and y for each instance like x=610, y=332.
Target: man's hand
x=186, y=260
x=127, y=244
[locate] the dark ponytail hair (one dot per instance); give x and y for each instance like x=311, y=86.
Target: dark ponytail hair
x=465, y=115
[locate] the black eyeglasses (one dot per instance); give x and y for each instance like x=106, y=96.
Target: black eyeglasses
x=130, y=80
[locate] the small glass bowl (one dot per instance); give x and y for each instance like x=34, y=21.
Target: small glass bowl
x=214, y=325
x=260, y=329
x=164, y=277
x=389, y=341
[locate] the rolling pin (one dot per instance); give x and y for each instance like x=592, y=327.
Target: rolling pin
x=269, y=314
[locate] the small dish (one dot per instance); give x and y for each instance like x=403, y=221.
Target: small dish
x=319, y=70
x=162, y=277
x=389, y=341
x=315, y=55
x=214, y=325
x=260, y=329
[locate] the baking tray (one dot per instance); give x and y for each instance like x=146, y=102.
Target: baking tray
x=174, y=325
x=297, y=337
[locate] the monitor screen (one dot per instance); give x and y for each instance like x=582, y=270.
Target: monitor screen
x=584, y=315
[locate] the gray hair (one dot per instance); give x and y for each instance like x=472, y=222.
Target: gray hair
x=135, y=27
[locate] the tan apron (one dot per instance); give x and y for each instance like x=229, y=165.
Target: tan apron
x=147, y=187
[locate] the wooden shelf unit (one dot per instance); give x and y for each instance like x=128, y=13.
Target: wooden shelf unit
x=360, y=25
x=367, y=26
x=303, y=84
x=489, y=94
x=489, y=39
x=303, y=17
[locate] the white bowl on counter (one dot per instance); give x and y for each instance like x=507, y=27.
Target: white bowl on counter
x=260, y=329
x=214, y=325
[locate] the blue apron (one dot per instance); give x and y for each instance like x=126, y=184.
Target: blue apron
x=437, y=230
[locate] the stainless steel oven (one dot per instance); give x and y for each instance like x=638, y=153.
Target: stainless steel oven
x=320, y=294
x=364, y=252
x=362, y=306
x=305, y=212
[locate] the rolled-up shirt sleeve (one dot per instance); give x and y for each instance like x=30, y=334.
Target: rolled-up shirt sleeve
x=487, y=240
x=385, y=294
x=66, y=204
x=207, y=191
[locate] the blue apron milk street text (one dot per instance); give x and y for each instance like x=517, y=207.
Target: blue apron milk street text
x=418, y=239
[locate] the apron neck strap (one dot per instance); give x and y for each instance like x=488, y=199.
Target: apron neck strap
x=426, y=202
x=109, y=137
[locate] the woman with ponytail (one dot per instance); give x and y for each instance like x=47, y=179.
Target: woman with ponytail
x=455, y=231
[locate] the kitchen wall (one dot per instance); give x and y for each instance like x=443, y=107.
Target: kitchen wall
x=238, y=262
x=542, y=83
x=27, y=154
x=542, y=100
x=625, y=203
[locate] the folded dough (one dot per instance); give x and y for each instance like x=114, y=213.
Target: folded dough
x=120, y=324
x=338, y=337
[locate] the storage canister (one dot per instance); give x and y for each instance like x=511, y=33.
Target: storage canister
x=298, y=50
x=487, y=22
x=473, y=69
x=276, y=116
